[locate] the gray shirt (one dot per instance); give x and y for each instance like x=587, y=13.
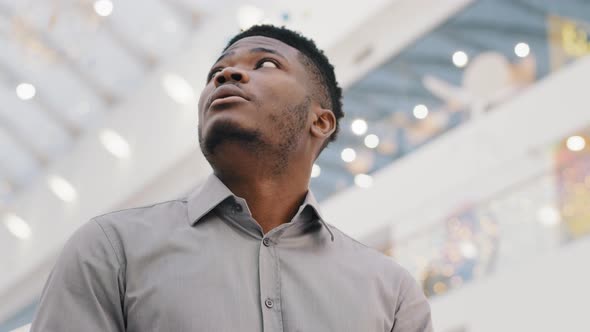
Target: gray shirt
x=203, y=264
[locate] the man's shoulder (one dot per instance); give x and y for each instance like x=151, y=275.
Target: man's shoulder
x=374, y=264
x=143, y=214
x=357, y=250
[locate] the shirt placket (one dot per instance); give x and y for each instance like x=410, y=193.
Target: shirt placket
x=270, y=287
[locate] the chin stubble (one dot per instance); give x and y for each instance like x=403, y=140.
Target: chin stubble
x=289, y=125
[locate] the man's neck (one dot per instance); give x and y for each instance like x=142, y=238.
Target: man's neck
x=271, y=200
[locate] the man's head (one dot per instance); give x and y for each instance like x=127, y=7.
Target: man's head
x=273, y=92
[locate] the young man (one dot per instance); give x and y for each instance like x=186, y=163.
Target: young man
x=248, y=250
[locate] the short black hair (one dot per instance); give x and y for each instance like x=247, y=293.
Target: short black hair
x=321, y=70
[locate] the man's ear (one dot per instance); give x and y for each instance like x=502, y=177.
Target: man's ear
x=323, y=122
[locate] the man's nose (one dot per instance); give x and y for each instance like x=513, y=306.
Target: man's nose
x=229, y=74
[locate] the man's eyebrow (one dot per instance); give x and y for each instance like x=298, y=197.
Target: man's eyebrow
x=224, y=55
x=253, y=50
x=266, y=50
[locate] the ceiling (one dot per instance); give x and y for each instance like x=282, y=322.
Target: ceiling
x=65, y=65
x=82, y=65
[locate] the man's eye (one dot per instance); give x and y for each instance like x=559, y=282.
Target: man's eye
x=267, y=63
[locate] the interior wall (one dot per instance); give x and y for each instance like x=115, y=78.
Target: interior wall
x=550, y=293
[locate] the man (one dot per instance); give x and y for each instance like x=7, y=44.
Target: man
x=248, y=250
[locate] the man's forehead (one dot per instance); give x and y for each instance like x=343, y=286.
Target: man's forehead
x=251, y=42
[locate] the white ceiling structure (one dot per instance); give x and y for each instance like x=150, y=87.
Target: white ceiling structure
x=111, y=121
x=128, y=82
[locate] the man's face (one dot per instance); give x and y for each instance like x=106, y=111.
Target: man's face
x=257, y=97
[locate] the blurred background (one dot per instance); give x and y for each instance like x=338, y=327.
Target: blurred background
x=464, y=154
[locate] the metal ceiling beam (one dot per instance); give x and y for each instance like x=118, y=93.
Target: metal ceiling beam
x=7, y=182
x=146, y=58
x=385, y=91
x=73, y=130
x=24, y=142
x=191, y=16
x=92, y=83
x=468, y=27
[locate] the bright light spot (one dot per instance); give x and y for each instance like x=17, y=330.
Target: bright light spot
x=363, y=180
x=348, y=155
x=249, y=15
x=359, y=127
x=371, y=141
x=114, y=143
x=420, y=111
x=468, y=249
x=460, y=59
x=576, y=143
x=315, y=171
x=522, y=49
x=17, y=226
x=548, y=216
x=62, y=188
x=178, y=89
x=25, y=91
x=103, y=7
x=439, y=287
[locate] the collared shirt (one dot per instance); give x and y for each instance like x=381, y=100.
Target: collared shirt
x=204, y=264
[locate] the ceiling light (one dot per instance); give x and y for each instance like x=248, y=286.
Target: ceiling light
x=468, y=249
x=103, y=7
x=576, y=143
x=522, y=49
x=25, y=91
x=460, y=59
x=17, y=226
x=363, y=180
x=315, y=171
x=178, y=89
x=359, y=127
x=371, y=141
x=114, y=143
x=348, y=155
x=420, y=111
x=548, y=216
x=249, y=15
x=62, y=188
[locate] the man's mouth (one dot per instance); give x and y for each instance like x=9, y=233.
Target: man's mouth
x=227, y=94
x=226, y=100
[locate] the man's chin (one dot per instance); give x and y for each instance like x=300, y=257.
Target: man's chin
x=228, y=132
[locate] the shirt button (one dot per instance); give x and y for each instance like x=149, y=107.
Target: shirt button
x=268, y=303
x=266, y=242
x=237, y=208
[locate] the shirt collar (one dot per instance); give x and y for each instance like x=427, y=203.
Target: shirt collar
x=206, y=197
x=212, y=192
x=311, y=201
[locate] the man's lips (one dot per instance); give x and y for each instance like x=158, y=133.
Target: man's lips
x=226, y=93
x=224, y=100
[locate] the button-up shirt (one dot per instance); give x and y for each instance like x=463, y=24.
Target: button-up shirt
x=204, y=264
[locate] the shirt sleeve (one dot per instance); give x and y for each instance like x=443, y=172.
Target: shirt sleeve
x=85, y=288
x=413, y=310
